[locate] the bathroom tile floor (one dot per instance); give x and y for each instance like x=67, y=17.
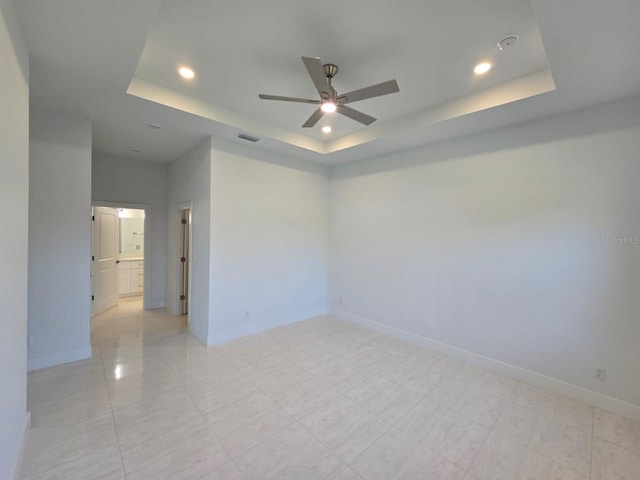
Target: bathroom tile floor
x=318, y=399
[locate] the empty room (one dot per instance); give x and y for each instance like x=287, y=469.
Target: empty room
x=356, y=240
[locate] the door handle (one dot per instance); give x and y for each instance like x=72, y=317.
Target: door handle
x=117, y=261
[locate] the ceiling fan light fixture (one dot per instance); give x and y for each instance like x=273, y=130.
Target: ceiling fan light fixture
x=328, y=107
x=326, y=129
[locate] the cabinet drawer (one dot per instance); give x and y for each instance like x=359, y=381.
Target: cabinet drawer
x=124, y=265
x=137, y=274
x=136, y=288
x=137, y=264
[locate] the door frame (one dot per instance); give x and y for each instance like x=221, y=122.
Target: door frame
x=178, y=209
x=146, y=272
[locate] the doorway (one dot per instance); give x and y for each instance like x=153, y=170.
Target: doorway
x=118, y=269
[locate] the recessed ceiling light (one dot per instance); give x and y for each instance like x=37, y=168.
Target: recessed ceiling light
x=155, y=126
x=482, y=68
x=328, y=107
x=326, y=129
x=186, y=72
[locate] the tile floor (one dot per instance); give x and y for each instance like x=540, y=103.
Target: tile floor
x=319, y=399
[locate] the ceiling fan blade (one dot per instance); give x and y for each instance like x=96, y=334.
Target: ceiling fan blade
x=313, y=119
x=316, y=72
x=378, y=90
x=287, y=99
x=355, y=115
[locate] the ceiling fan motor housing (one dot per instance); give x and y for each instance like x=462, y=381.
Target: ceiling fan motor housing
x=330, y=70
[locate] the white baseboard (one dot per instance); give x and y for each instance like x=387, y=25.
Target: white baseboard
x=245, y=330
x=154, y=305
x=570, y=390
x=22, y=442
x=57, y=359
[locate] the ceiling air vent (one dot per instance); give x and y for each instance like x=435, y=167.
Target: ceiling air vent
x=248, y=138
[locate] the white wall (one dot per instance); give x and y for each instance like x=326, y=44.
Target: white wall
x=504, y=245
x=269, y=247
x=14, y=198
x=59, y=238
x=189, y=180
x=122, y=180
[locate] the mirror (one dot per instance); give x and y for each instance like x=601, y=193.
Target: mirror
x=131, y=232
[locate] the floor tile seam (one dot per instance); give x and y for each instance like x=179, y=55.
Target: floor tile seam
x=609, y=442
x=447, y=410
x=146, y=415
x=395, y=383
x=277, y=432
x=113, y=420
x=55, y=463
x=286, y=391
x=125, y=389
x=294, y=420
x=550, y=419
x=33, y=434
x=188, y=384
x=489, y=432
x=211, y=429
x=77, y=423
x=325, y=445
x=453, y=411
x=364, y=407
x=527, y=445
x=72, y=414
x=403, y=416
x=50, y=397
x=404, y=434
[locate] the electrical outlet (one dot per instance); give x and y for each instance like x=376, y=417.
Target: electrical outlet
x=600, y=374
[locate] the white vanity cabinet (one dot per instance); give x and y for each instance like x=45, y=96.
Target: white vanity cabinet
x=131, y=274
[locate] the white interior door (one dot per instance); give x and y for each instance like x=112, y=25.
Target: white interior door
x=105, y=254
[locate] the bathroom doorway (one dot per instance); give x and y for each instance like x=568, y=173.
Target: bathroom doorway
x=118, y=257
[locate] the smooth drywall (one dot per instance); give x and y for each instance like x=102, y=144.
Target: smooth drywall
x=521, y=245
x=125, y=181
x=189, y=180
x=14, y=197
x=59, y=238
x=269, y=247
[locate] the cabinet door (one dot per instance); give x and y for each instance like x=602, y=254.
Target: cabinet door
x=124, y=281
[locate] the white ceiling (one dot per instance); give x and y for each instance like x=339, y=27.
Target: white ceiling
x=86, y=55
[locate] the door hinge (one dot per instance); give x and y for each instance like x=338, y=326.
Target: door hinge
x=93, y=218
x=182, y=297
x=92, y=298
x=183, y=259
x=184, y=221
x=92, y=258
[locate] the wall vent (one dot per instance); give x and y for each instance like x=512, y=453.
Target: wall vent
x=248, y=138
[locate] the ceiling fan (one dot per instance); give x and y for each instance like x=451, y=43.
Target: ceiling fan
x=330, y=101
